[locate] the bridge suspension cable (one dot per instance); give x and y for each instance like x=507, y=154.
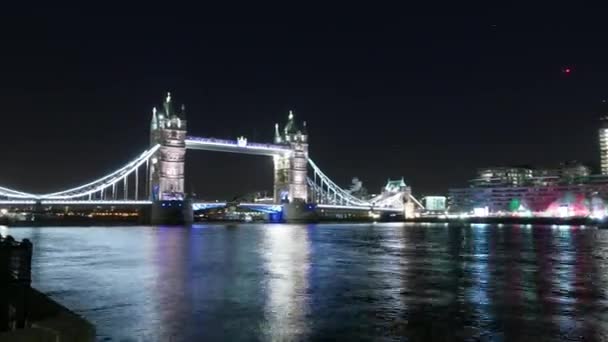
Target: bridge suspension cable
x=10, y=193
x=325, y=191
x=117, y=188
x=110, y=181
x=104, y=189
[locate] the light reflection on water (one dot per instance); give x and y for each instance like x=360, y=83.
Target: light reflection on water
x=286, y=265
x=307, y=282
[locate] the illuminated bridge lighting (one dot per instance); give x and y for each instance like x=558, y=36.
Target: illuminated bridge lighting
x=104, y=182
x=10, y=193
x=355, y=207
x=236, y=146
x=72, y=202
x=16, y=202
x=325, y=190
x=322, y=191
x=93, y=202
x=268, y=208
x=210, y=205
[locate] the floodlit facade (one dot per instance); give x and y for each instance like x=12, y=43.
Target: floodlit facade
x=168, y=129
x=290, y=170
x=434, y=203
x=603, y=137
x=567, y=191
x=502, y=176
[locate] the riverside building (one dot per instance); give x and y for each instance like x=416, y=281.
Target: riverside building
x=603, y=137
x=567, y=191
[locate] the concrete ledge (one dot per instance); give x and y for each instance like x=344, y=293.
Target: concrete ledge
x=51, y=321
x=30, y=335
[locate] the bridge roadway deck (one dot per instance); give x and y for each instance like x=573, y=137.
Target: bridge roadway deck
x=278, y=207
x=268, y=207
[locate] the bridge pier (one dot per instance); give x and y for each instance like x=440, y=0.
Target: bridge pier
x=171, y=212
x=299, y=211
x=168, y=129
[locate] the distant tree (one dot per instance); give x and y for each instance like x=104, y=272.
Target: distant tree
x=357, y=189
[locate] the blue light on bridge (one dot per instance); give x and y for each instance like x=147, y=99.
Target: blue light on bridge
x=172, y=203
x=265, y=208
x=275, y=217
x=204, y=206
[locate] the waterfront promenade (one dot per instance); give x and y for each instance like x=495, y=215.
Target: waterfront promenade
x=26, y=313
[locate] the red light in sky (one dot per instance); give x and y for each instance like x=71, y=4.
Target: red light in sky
x=567, y=71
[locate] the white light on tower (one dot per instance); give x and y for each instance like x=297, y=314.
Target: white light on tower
x=603, y=140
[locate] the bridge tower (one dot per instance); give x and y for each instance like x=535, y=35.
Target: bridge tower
x=290, y=171
x=168, y=128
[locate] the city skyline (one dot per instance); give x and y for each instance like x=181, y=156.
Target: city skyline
x=303, y=173
x=431, y=105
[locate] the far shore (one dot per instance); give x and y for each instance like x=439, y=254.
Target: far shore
x=572, y=221
x=547, y=221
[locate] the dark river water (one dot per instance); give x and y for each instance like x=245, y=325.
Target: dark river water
x=393, y=281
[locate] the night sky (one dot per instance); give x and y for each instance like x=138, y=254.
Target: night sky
x=425, y=96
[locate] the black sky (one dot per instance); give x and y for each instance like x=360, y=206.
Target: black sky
x=426, y=96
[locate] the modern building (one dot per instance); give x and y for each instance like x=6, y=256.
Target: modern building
x=573, y=172
x=502, y=176
x=569, y=190
x=603, y=135
x=434, y=203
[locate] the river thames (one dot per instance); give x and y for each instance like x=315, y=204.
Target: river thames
x=386, y=281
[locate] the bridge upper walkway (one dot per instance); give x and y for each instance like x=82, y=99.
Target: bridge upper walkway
x=235, y=146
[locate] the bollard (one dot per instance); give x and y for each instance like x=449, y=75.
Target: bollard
x=22, y=258
x=15, y=278
x=4, y=281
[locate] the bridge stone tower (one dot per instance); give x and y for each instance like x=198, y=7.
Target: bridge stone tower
x=168, y=128
x=290, y=171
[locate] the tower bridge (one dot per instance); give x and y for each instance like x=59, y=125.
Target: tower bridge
x=156, y=177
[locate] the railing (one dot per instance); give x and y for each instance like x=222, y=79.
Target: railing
x=15, y=281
